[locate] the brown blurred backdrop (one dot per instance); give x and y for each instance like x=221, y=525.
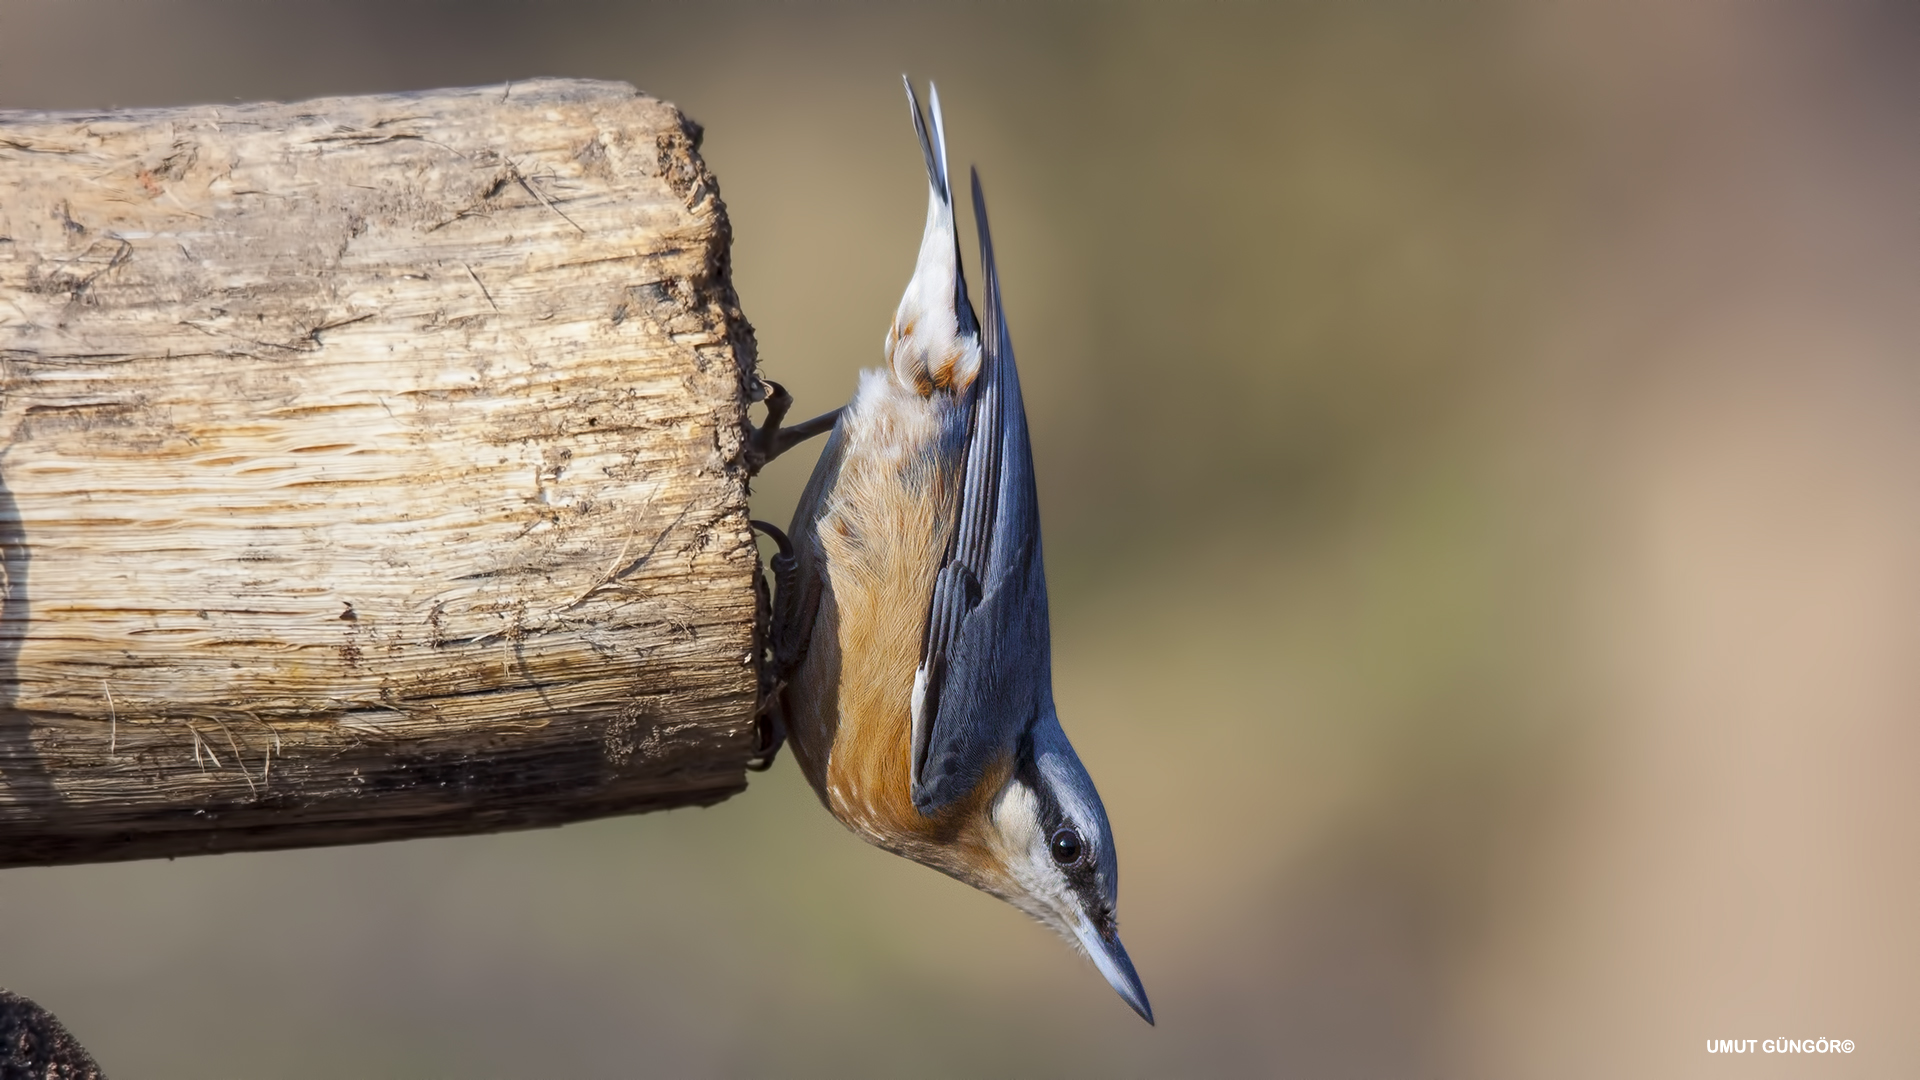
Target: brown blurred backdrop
x=1478, y=447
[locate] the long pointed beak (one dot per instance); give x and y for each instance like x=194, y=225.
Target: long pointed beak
x=1111, y=958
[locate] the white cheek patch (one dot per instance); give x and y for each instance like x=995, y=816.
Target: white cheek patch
x=1016, y=826
x=1016, y=817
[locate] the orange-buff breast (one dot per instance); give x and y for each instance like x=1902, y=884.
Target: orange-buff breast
x=883, y=536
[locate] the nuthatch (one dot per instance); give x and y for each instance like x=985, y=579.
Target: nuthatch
x=910, y=628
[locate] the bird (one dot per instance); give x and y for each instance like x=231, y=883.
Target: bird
x=910, y=626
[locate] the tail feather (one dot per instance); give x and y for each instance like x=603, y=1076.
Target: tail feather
x=940, y=144
x=934, y=149
x=934, y=342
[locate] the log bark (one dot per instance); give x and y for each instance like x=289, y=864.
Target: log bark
x=35, y=1046
x=372, y=468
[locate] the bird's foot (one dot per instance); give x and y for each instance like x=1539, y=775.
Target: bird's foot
x=769, y=732
x=770, y=440
x=780, y=658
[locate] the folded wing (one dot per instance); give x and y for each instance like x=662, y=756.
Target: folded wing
x=985, y=661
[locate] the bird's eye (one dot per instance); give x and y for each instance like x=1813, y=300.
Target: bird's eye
x=1066, y=846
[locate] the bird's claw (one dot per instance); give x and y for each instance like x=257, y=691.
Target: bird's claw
x=769, y=721
x=770, y=439
x=769, y=732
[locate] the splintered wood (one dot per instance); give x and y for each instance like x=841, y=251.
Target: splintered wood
x=372, y=469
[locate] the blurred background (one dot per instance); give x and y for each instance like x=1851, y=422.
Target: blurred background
x=1478, y=450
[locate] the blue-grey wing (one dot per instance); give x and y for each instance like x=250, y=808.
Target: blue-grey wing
x=985, y=661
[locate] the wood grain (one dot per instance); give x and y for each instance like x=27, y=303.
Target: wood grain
x=372, y=469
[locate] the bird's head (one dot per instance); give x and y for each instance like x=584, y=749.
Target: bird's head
x=1042, y=844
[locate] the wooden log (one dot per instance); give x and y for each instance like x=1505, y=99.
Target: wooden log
x=35, y=1046
x=372, y=468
